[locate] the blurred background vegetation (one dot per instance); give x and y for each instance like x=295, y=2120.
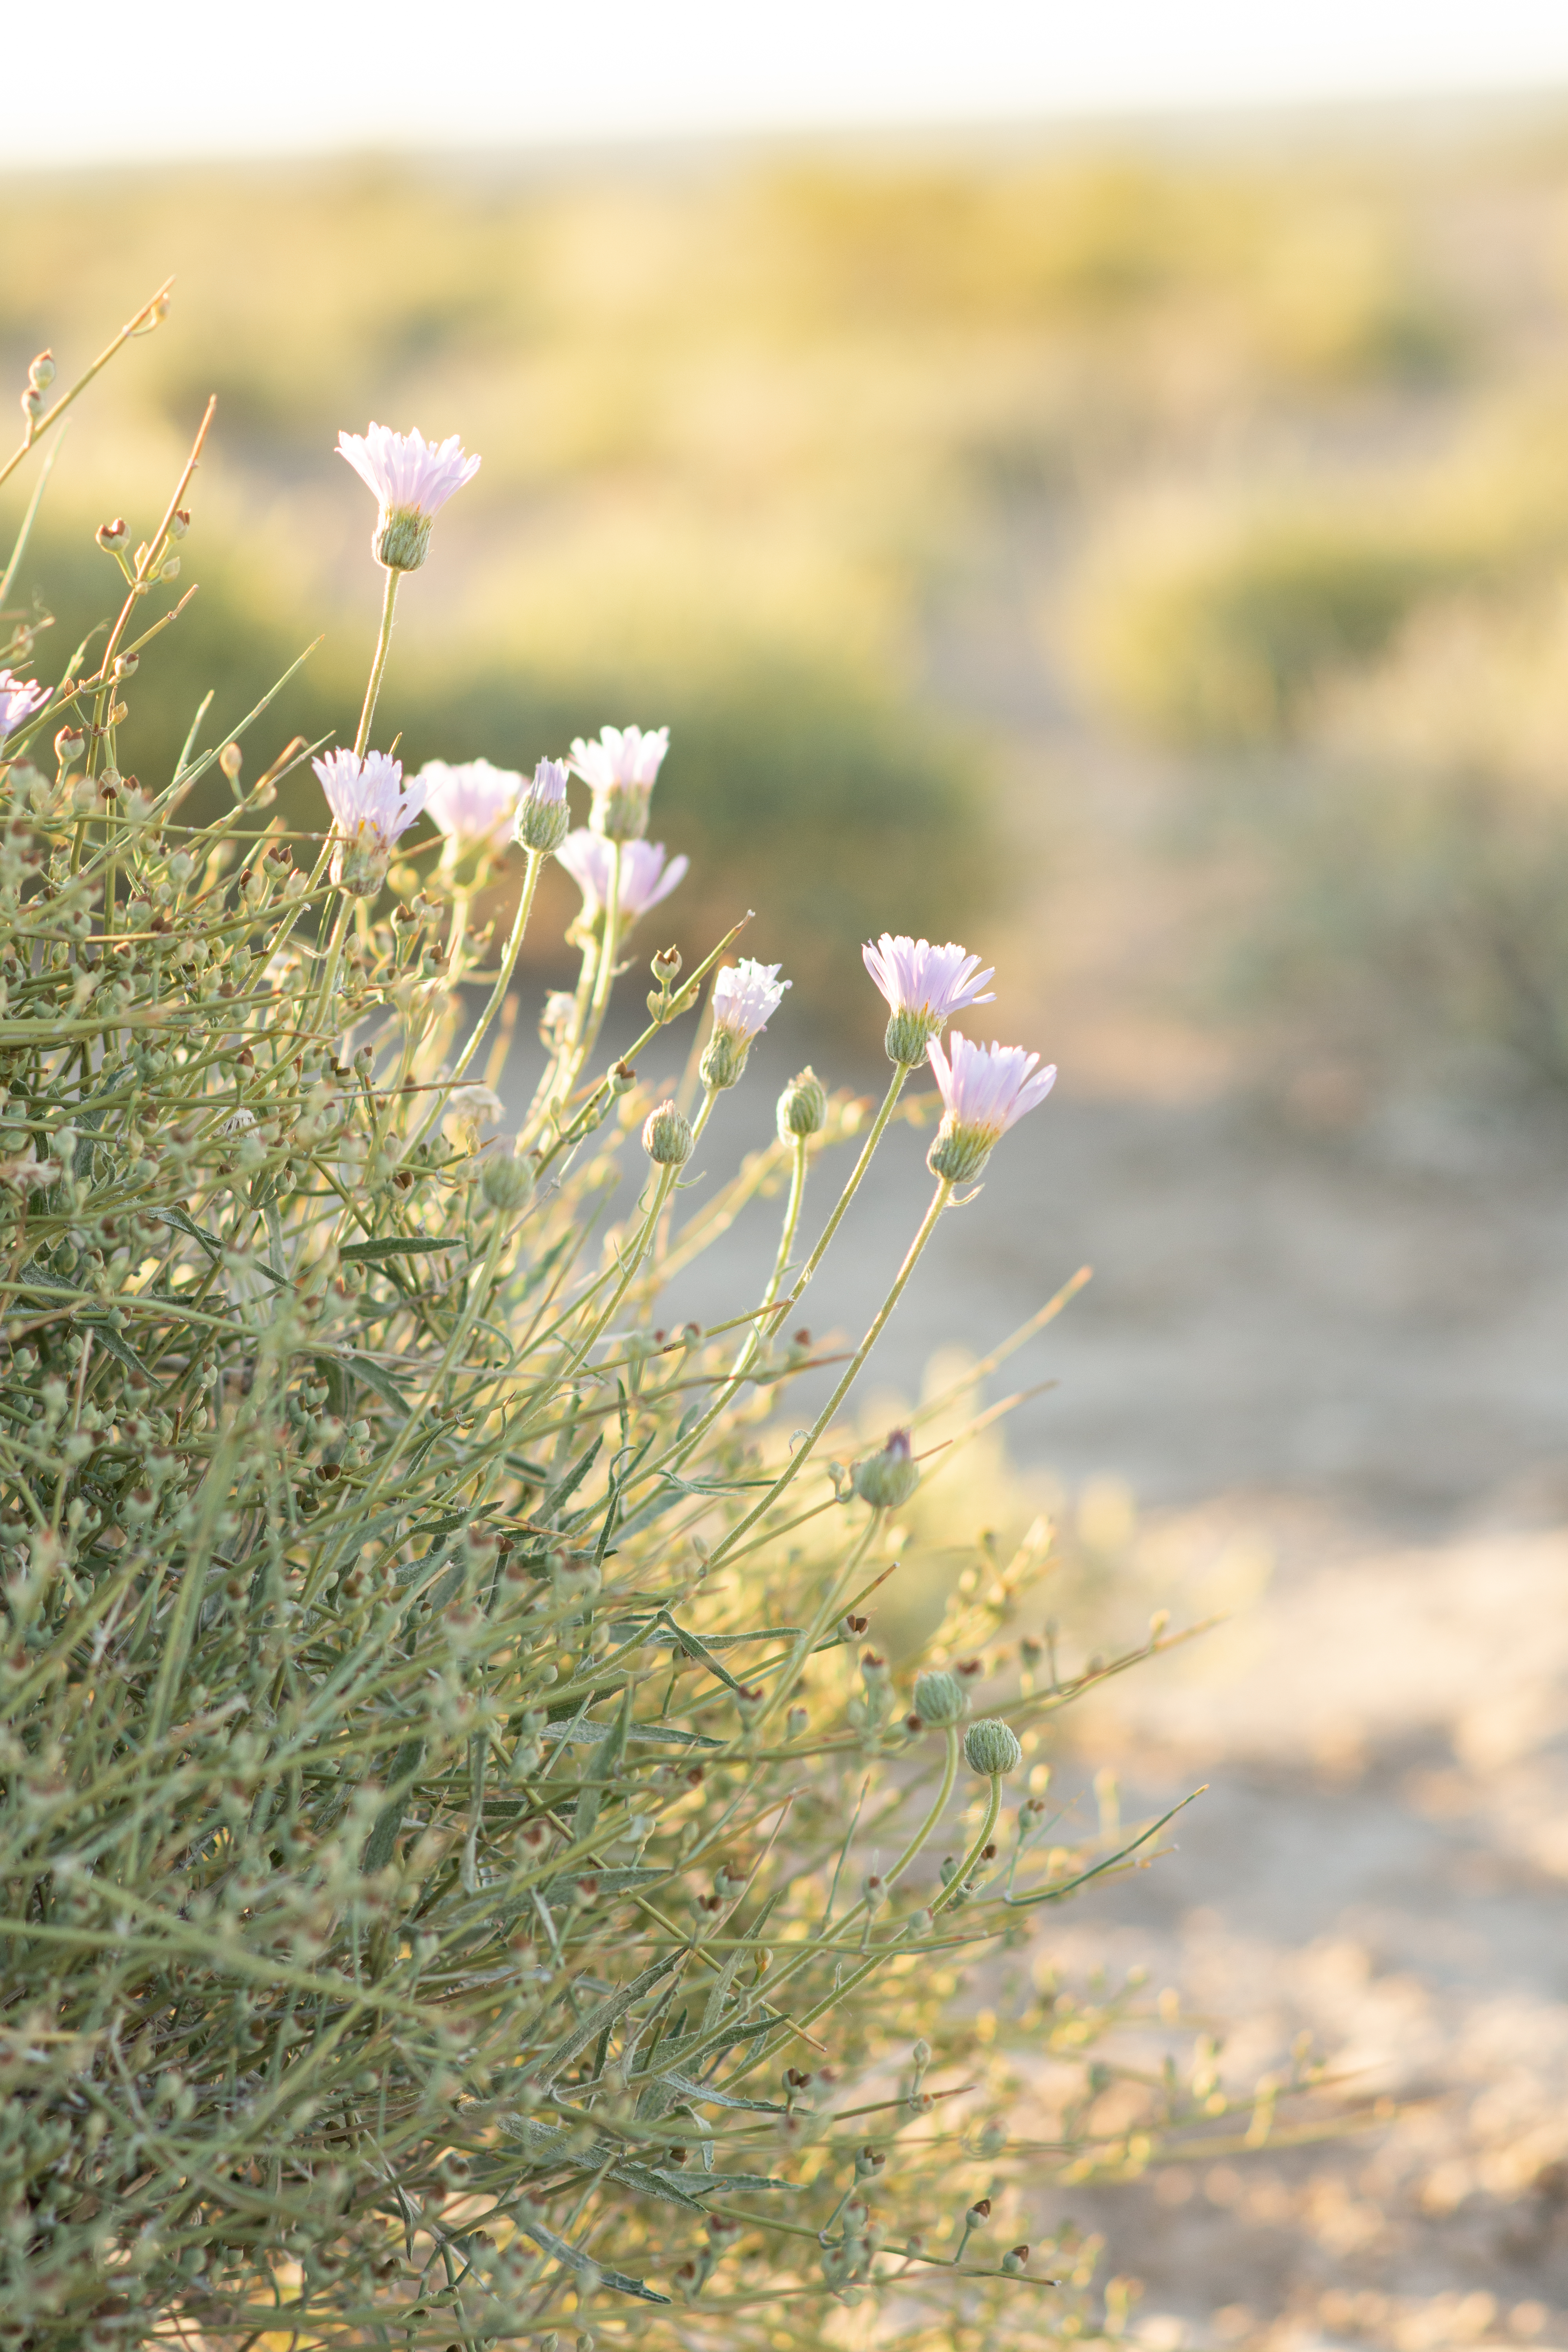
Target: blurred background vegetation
x=1004, y=533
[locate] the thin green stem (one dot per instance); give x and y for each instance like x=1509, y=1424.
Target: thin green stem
x=604, y=980
x=666, y=1176
x=378, y=666
x=950, y=1892
x=950, y=1774
x=497, y=994
x=803, y=1453
x=753, y=1342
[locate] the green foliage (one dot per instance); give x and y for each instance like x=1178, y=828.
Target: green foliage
x=453, y=1845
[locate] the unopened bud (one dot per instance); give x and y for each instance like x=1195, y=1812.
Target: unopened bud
x=171, y=570
x=803, y=1106
x=666, y=966
x=623, y=1077
x=542, y=816
x=978, y=2213
x=68, y=746
x=179, y=523
x=1014, y=2259
x=887, y=1479
x=112, y=536
x=868, y=2162
x=667, y=1136
x=507, y=1181
x=990, y=1747
x=231, y=759
x=940, y=1699
x=41, y=373
x=32, y=403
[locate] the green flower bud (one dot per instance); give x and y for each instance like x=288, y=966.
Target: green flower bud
x=667, y=1136
x=990, y=1747
x=1014, y=2261
x=544, y=819
x=507, y=1181
x=887, y=1479
x=803, y=1106
x=940, y=1699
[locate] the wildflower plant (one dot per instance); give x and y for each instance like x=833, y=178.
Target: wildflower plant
x=463, y=1876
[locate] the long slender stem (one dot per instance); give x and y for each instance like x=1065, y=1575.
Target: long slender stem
x=806, y=1641
x=752, y=1339
x=666, y=1177
x=950, y=1892
x=548, y=1089
x=878, y=1127
x=497, y=994
x=604, y=980
x=950, y=1774
x=803, y=1453
x=378, y=666
x=764, y=1327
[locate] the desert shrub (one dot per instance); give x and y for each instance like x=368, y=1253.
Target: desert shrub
x=465, y=1870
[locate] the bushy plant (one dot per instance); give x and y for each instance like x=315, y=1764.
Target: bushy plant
x=465, y=1872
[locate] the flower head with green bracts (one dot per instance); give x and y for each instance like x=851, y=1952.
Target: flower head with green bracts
x=19, y=700
x=745, y=997
x=646, y=876
x=412, y=478
x=991, y=1748
x=986, y=1089
x=924, y=986
x=472, y=804
x=621, y=768
x=369, y=808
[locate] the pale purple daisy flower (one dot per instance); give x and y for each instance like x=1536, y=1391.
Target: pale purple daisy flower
x=473, y=803
x=542, y=815
x=622, y=769
x=369, y=808
x=924, y=986
x=745, y=997
x=413, y=479
x=19, y=698
x=986, y=1089
x=645, y=877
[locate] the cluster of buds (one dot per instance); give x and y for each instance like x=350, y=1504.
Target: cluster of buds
x=695, y=2272
x=40, y=375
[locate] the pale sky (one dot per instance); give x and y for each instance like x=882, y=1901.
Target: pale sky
x=206, y=77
